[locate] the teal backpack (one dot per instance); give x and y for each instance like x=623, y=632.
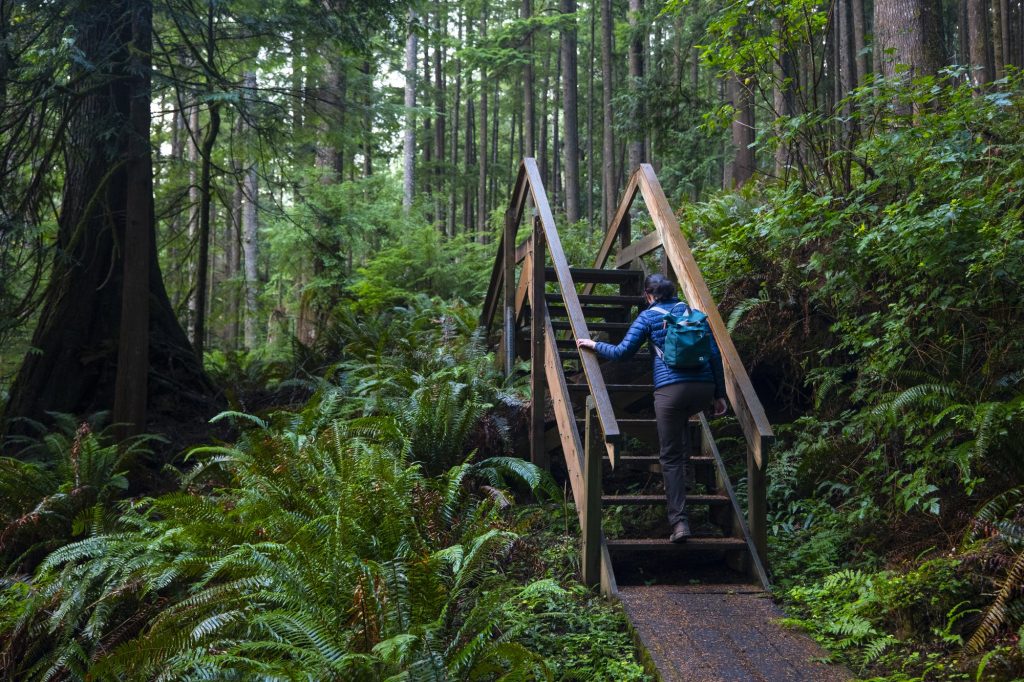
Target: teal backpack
x=687, y=339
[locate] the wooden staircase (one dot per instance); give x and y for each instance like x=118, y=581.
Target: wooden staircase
x=599, y=414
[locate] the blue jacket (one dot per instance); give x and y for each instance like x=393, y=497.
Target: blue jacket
x=648, y=326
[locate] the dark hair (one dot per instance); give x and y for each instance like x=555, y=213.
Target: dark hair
x=660, y=287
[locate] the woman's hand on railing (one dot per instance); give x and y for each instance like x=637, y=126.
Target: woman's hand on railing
x=585, y=343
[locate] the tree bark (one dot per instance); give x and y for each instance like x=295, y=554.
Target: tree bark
x=636, y=75
x=1000, y=37
x=453, y=183
x=441, y=119
x=592, y=14
x=609, y=189
x=570, y=109
x=469, y=154
x=409, y=147
x=79, y=332
x=529, y=117
x=233, y=233
x=910, y=28
x=250, y=242
x=860, y=54
x=978, y=42
x=783, y=95
x=481, y=196
x=368, y=103
x=741, y=168
x=542, y=133
x=203, y=257
x=193, y=210
x=132, y=381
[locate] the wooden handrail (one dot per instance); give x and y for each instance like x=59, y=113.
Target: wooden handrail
x=528, y=182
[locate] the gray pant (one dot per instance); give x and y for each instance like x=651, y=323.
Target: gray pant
x=673, y=406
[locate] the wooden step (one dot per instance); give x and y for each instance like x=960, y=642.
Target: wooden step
x=694, y=544
x=597, y=299
x=614, y=388
x=600, y=311
x=599, y=275
x=609, y=500
x=654, y=459
x=593, y=326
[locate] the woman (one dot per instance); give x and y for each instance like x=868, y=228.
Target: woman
x=678, y=394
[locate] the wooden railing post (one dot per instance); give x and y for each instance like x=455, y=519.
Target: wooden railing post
x=757, y=497
x=509, y=282
x=626, y=233
x=591, y=500
x=538, y=384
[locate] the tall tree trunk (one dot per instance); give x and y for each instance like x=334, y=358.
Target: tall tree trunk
x=77, y=367
x=556, y=157
x=193, y=210
x=453, y=184
x=442, y=118
x=481, y=196
x=569, y=107
x=132, y=382
x=860, y=54
x=741, y=167
x=542, y=134
x=783, y=100
x=298, y=93
x=469, y=154
x=250, y=241
x=636, y=74
x=1000, y=38
x=409, y=148
x=233, y=233
x=609, y=189
x=368, y=103
x=592, y=13
x=427, y=138
x=529, y=118
x=203, y=257
x=492, y=192
x=910, y=28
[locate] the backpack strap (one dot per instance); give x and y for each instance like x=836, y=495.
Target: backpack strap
x=658, y=309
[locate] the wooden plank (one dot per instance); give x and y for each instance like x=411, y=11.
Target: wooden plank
x=694, y=544
x=522, y=291
x=538, y=389
x=738, y=386
x=601, y=275
x=597, y=326
x=571, y=447
x=592, y=500
x=640, y=500
x=598, y=299
x=493, y=300
x=757, y=553
x=589, y=362
x=638, y=249
x=508, y=329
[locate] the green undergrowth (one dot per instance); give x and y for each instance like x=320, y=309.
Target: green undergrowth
x=382, y=530
x=881, y=310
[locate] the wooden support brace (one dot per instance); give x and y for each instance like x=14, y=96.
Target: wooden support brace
x=538, y=310
x=591, y=521
x=509, y=284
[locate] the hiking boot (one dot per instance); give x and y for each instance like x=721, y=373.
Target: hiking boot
x=680, y=532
